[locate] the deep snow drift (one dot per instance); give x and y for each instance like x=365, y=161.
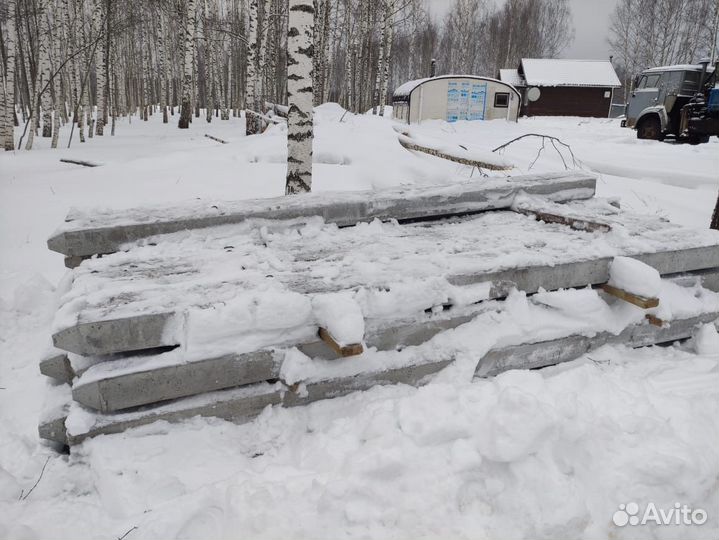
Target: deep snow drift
x=550, y=453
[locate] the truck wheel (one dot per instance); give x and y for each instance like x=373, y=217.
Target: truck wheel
x=698, y=139
x=650, y=128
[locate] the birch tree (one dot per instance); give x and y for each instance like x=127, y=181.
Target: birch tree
x=300, y=37
x=187, y=83
x=251, y=120
x=10, y=44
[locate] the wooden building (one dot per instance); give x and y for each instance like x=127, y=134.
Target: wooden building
x=557, y=87
x=455, y=97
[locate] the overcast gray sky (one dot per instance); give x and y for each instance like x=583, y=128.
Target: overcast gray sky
x=591, y=22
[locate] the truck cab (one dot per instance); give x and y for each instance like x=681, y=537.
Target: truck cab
x=658, y=95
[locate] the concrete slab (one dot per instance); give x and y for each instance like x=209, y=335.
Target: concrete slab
x=142, y=332
x=57, y=366
x=242, y=404
x=100, y=233
x=150, y=384
x=117, y=335
x=238, y=405
x=548, y=353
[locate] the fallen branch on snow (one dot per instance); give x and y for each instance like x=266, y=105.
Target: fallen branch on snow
x=217, y=139
x=544, y=138
x=80, y=162
x=36, y=483
x=128, y=532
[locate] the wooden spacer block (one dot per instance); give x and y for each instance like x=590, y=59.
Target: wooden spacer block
x=655, y=321
x=640, y=301
x=343, y=351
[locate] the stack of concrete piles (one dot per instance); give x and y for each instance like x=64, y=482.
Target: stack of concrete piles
x=119, y=361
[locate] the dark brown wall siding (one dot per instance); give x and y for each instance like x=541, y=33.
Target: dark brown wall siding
x=568, y=101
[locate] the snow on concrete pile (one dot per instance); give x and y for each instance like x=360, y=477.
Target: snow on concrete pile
x=341, y=315
x=634, y=277
x=706, y=340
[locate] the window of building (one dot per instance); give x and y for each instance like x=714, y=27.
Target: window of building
x=501, y=99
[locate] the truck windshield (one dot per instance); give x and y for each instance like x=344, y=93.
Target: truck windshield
x=649, y=81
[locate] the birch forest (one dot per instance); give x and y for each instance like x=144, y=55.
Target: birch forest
x=79, y=65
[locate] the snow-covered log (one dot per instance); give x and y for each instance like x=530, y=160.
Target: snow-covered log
x=472, y=158
x=299, y=96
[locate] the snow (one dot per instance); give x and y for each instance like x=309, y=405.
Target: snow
x=565, y=72
x=679, y=67
x=706, y=340
x=511, y=76
x=634, y=277
x=341, y=315
x=526, y=454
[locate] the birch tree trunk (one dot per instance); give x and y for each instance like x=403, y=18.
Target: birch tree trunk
x=387, y=54
x=9, y=112
x=189, y=32
x=381, y=59
x=251, y=120
x=209, y=72
x=162, y=67
x=100, y=66
x=299, y=96
x=44, y=83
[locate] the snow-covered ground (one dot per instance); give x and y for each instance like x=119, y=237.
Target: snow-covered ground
x=550, y=453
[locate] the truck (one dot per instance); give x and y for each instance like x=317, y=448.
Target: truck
x=680, y=102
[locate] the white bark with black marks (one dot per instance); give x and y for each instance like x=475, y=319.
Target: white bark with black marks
x=9, y=112
x=189, y=33
x=300, y=53
x=251, y=120
x=100, y=66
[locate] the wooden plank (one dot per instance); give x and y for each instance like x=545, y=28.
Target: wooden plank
x=639, y=301
x=341, y=350
x=100, y=233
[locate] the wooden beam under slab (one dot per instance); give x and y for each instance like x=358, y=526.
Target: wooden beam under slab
x=639, y=301
x=342, y=350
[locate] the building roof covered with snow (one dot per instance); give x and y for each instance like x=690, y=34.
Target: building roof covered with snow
x=561, y=87
x=511, y=76
x=562, y=72
x=455, y=97
x=404, y=90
